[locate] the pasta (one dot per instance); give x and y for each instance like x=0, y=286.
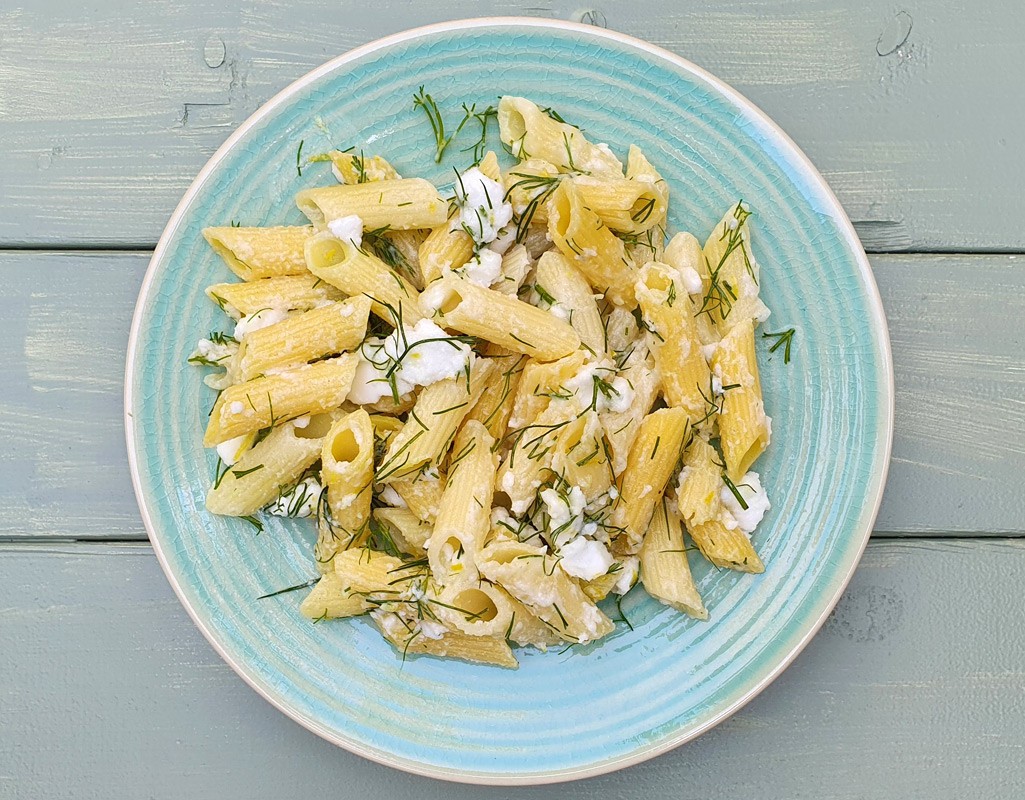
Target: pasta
x=499, y=402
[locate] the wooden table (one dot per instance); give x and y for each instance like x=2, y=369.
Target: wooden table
x=914, y=114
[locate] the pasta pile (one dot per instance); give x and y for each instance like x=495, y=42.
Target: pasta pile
x=498, y=408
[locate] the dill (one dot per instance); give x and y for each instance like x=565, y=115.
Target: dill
x=544, y=294
x=783, y=339
x=720, y=295
x=359, y=165
x=658, y=441
x=218, y=474
x=479, y=147
x=641, y=214
x=424, y=101
x=450, y=408
x=295, y=588
x=553, y=114
x=241, y=473
x=255, y=523
x=543, y=187
x=522, y=341
x=298, y=156
x=236, y=224
x=734, y=491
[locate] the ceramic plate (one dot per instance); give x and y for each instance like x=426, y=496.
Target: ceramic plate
x=588, y=710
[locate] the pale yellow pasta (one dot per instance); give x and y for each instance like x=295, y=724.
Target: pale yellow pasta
x=531, y=575
x=272, y=464
x=530, y=133
x=353, y=167
x=475, y=607
x=331, y=598
x=580, y=457
x=510, y=323
x=540, y=382
x=432, y=423
x=253, y=253
x=422, y=494
x=401, y=204
x=477, y=649
x=447, y=247
x=528, y=184
x=732, y=272
x=625, y=205
x=267, y=401
x=557, y=279
x=653, y=457
x=407, y=530
x=301, y=338
x=744, y=428
x=685, y=378
x=347, y=472
x=590, y=246
x=356, y=272
x=664, y=568
x=495, y=406
x=683, y=253
x=698, y=499
x=621, y=427
x=516, y=265
x=286, y=292
x=464, y=514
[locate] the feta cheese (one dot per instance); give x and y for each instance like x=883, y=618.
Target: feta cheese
x=612, y=393
x=484, y=268
x=627, y=575
x=482, y=210
x=585, y=558
x=300, y=501
x=747, y=519
x=236, y=407
x=214, y=352
x=261, y=319
x=440, y=356
x=348, y=228
x=708, y=350
x=301, y=422
x=565, y=511
x=230, y=451
x=691, y=280
x=392, y=498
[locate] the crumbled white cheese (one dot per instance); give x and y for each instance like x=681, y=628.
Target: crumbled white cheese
x=708, y=350
x=348, y=228
x=440, y=356
x=261, y=319
x=482, y=210
x=585, y=558
x=236, y=407
x=565, y=511
x=430, y=629
x=213, y=351
x=716, y=385
x=230, y=451
x=392, y=498
x=597, y=384
x=627, y=575
x=300, y=501
x=506, y=238
x=301, y=422
x=484, y=268
x=750, y=487
x=691, y=280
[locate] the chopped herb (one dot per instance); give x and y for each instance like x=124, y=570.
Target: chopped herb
x=783, y=339
x=437, y=123
x=298, y=156
x=241, y=473
x=734, y=491
x=297, y=587
x=255, y=523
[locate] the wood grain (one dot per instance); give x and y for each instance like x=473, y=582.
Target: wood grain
x=959, y=447
x=106, y=112
x=902, y=694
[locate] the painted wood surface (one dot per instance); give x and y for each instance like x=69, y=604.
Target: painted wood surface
x=108, y=110
x=955, y=324
x=903, y=694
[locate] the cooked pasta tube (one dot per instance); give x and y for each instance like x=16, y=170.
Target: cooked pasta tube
x=347, y=472
x=401, y=204
x=590, y=246
x=286, y=292
x=356, y=272
x=253, y=253
x=301, y=338
x=744, y=427
x=665, y=570
x=498, y=318
x=267, y=401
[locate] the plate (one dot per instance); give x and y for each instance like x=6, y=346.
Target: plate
x=645, y=690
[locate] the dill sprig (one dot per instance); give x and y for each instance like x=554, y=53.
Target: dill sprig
x=296, y=588
x=543, y=187
x=783, y=339
x=423, y=100
x=298, y=157
x=482, y=118
x=720, y=295
x=734, y=490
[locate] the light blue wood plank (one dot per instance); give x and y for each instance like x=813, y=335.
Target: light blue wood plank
x=107, y=690
x=119, y=109
x=959, y=447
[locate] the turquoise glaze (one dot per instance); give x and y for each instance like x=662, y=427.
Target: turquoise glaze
x=587, y=710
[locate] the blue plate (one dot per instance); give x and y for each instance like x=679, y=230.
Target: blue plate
x=585, y=711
